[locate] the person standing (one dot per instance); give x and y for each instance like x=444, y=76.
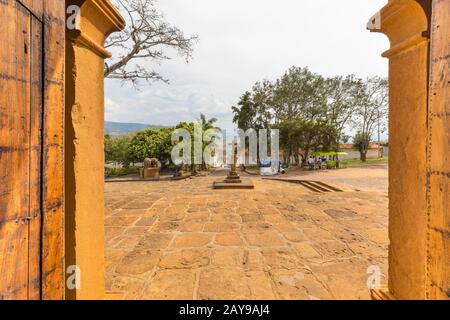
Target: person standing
x=311, y=163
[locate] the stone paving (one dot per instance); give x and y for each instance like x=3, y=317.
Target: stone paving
x=184, y=240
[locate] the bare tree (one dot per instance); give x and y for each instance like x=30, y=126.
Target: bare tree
x=146, y=38
x=371, y=112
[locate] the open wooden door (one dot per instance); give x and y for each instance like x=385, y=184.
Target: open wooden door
x=31, y=149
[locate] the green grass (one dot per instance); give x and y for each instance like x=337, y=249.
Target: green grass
x=332, y=164
x=253, y=169
x=368, y=162
x=118, y=172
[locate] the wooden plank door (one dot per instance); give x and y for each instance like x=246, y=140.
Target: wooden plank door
x=31, y=166
x=20, y=153
x=438, y=180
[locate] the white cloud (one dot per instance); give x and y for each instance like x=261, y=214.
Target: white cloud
x=242, y=42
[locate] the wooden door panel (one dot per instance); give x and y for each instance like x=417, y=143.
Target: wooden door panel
x=438, y=184
x=36, y=7
x=53, y=285
x=36, y=108
x=15, y=102
x=20, y=155
x=14, y=261
x=31, y=149
x=14, y=155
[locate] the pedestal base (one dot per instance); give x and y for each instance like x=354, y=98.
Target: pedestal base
x=222, y=185
x=149, y=173
x=233, y=179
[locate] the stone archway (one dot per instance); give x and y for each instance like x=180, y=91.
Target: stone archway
x=419, y=259
x=419, y=218
x=419, y=188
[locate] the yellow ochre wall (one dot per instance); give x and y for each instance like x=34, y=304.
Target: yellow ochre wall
x=413, y=255
x=84, y=140
x=417, y=204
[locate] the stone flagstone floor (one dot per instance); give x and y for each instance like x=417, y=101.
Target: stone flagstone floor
x=184, y=240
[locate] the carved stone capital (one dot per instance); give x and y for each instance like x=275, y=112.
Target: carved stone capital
x=98, y=19
x=404, y=22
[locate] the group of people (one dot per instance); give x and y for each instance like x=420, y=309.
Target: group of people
x=317, y=162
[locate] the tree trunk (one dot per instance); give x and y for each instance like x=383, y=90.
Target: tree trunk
x=305, y=158
x=286, y=156
x=296, y=157
x=363, y=156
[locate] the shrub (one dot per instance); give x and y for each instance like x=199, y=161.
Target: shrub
x=151, y=143
x=343, y=164
x=117, y=172
x=331, y=164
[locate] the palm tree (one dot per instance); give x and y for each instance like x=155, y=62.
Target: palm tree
x=206, y=124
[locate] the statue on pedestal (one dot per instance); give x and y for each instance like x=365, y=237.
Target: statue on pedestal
x=233, y=180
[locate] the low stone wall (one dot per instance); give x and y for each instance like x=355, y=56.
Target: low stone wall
x=354, y=154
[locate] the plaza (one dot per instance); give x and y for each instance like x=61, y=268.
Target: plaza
x=184, y=240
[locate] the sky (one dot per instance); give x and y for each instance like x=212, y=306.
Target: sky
x=245, y=41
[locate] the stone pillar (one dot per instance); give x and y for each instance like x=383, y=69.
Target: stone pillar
x=84, y=140
x=418, y=156
x=405, y=23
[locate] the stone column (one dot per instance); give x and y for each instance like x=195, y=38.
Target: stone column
x=406, y=24
x=84, y=137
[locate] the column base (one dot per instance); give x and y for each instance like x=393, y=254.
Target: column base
x=381, y=294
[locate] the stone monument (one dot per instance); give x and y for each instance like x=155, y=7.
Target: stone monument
x=233, y=180
x=151, y=169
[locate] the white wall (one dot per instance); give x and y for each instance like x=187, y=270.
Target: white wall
x=354, y=154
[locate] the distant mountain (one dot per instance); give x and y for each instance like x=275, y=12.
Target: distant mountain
x=120, y=128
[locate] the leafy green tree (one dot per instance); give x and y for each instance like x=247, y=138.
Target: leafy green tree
x=361, y=142
x=297, y=104
x=244, y=112
x=342, y=98
x=371, y=112
x=117, y=150
x=313, y=111
x=262, y=96
x=108, y=149
x=301, y=137
x=206, y=125
x=189, y=126
x=152, y=143
x=300, y=92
